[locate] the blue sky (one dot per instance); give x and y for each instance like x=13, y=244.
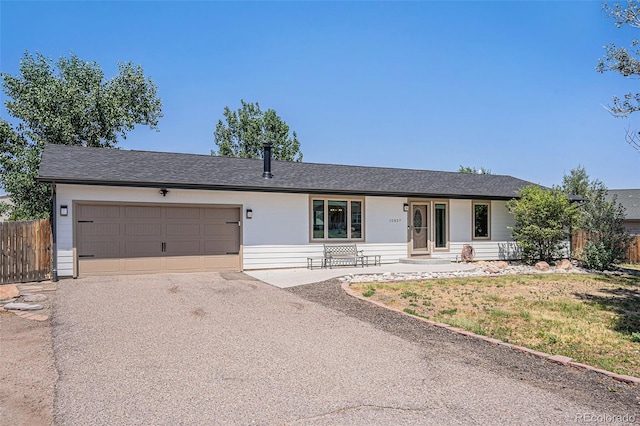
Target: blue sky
x=510, y=86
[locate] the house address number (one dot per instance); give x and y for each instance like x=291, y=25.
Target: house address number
x=395, y=220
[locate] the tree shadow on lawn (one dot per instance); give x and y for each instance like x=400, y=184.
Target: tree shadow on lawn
x=624, y=300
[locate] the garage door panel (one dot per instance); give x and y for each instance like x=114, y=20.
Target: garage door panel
x=142, y=248
x=143, y=230
x=220, y=263
x=222, y=214
x=183, y=229
x=183, y=247
x=143, y=265
x=133, y=238
x=220, y=247
x=88, y=229
x=99, y=211
x=184, y=213
x=143, y=212
x=100, y=249
x=101, y=266
x=185, y=263
x=221, y=231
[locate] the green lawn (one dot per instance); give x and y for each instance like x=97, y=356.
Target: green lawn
x=594, y=319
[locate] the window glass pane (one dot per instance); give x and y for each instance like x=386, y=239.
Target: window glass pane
x=337, y=225
x=318, y=219
x=356, y=219
x=481, y=220
x=441, y=225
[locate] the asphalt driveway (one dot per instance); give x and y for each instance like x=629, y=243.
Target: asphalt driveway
x=212, y=348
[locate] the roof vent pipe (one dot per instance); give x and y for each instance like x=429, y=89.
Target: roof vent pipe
x=267, y=160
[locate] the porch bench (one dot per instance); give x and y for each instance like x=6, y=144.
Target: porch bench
x=342, y=254
x=319, y=259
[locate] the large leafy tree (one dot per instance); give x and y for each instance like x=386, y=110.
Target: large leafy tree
x=248, y=128
x=543, y=220
x=67, y=102
x=624, y=61
x=601, y=218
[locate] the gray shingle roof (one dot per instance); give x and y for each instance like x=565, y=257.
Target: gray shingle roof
x=630, y=199
x=67, y=164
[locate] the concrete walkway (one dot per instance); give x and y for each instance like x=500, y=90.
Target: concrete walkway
x=284, y=278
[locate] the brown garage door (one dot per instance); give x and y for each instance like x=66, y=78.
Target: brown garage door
x=134, y=238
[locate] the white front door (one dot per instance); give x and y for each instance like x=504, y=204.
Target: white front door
x=419, y=224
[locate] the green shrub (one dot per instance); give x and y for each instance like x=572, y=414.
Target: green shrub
x=596, y=256
x=543, y=218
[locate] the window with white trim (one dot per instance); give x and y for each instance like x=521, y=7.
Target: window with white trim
x=336, y=219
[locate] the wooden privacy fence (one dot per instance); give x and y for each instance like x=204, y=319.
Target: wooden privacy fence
x=25, y=251
x=579, y=239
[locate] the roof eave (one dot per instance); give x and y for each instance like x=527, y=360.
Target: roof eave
x=318, y=191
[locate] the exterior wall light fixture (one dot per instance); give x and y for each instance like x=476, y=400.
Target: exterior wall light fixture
x=164, y=191
x=249, y=214
x=405, y=207
x=64, y=210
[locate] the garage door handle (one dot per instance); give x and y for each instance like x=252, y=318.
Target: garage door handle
x=86, y=255
x=163, y=247
x=85, y=221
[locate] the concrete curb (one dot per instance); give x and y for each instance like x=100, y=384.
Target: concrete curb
x=558, y=359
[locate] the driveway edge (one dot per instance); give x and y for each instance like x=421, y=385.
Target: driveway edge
x=558, y=359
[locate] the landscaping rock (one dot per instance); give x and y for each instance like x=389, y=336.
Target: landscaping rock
x=542, y=266
x=22, y=307
x=564, y=265
x=492, y=269
x=482, y=270
x=30, y=298
x=496, y=267
x=501, y=264
x=9, y=291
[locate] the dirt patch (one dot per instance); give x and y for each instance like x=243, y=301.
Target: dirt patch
x=27, y=370
x=198, y=312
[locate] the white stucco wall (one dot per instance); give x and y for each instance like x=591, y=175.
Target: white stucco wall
x=278, y=234
x=460, y=218
x=386, y=221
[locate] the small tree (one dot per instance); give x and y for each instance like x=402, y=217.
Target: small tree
x=247, y=129
x=607, y=239
x=602, y=220
x=474, y=170
x=576, y=182
x=543, y=219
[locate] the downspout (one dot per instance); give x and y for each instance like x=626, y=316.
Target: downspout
x=54, y=219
